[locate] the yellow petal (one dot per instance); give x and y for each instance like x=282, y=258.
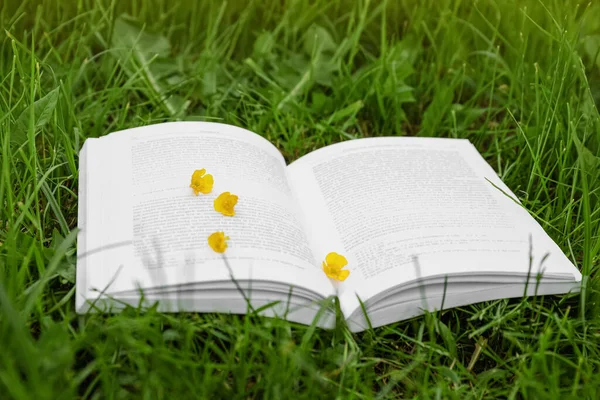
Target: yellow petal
x=206, y=184
x=327, y=270
x=231, y=202
x=335, y=259
x=197, y=175
x=330, y=274
x=342, y=275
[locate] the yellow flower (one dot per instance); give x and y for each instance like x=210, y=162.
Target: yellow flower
x=201, y=183
x=217, y=241
x=225, y=203
x=333, y=264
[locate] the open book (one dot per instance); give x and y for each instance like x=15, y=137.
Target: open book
x=425, y=224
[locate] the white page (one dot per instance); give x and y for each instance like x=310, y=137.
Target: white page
x=158, y=228
x=383, y=201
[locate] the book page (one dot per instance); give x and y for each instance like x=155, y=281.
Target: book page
x=164, y=226
x=401, y=208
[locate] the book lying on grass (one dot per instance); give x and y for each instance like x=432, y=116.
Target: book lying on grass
x=425, y=224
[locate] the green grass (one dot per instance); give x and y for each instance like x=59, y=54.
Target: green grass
x=520, y=79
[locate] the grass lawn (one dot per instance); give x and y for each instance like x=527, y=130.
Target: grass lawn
x=520, y=79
